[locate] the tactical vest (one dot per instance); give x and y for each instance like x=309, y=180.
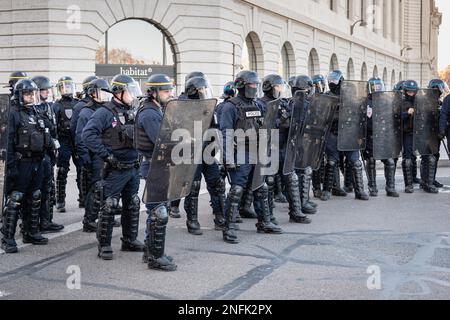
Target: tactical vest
x=32, y=136
x=121, y=134
x=143, y=142
x=65, y=116
x=249, y=115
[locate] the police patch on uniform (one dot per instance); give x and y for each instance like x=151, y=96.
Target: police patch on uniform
x=253, y=114
x=69, y=113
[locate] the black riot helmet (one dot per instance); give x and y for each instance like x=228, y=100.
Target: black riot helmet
x=247, y=83
x=26, y=93
x=229, y=90
x=157, y=83
x=86, y=82
x=66, y=87
x=320, y=83
x=439, y=85
x=44, y=84
x=121, y=84
x=16, y=77
x=291, y=80
x=273, y=86
x=99, y=90
x=303, y=83
x=410, y=88
x=335, y=79
x=193, y=75
x=375, y=85
x=198, y=88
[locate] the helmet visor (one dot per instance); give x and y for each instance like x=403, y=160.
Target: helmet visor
x=205, y=93
x=66, y=88
x=134, y=90
x=102, y=96
x=30, y=98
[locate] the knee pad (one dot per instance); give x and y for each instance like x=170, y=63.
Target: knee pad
x=160, y=215
x=15, y=200
x=62, y=173
x=236, y=193
x=111, y=205
x=390, y=163
x=135, y=203
x=292, y=179
x=357, y=164
x=270, y=180
x=196, y=187
x=308, y=171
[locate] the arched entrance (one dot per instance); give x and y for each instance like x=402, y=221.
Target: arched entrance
x=287, y=61
x=252, y=54
x=138, y=48
x=313, y=63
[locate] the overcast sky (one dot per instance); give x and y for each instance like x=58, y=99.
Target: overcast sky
x=444, y=34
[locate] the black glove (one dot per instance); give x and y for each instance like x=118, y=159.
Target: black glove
x=231, y=167
x=12, y=172
x=112, y=161
x=441, y=135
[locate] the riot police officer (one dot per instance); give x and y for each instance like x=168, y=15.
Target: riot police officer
x=242, y=112
x=63, y=109
x=273, y=88
x=28, y=141
x=377, y=85
x=443, y=89
x=245, y=210
x=109, y=135
x=335, y=80
x=48, y=186
x=410, y=90
x=97, y=94
x=148, y=121
x=197, y=88
x=304, y=83
x=15, y=77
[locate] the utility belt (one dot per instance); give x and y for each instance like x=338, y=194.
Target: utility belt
x=125, y=166
x=28, y=156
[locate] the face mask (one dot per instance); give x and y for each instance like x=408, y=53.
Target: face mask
x=251, y=93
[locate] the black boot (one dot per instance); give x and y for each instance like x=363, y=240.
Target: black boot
x=348, y=177
x=305, y=185
x=130, y=226
x=295, y=205
x=61, y=182
x=105, y=228
x=337, y=190
x=270, y=180
x=32, y=233
x=10, y=217
x=407, y=175
x=437, y=184
x=389, y=173
x=329, y=179
x=218, y=192
x=317, y=184
x=94, y=203
x=246, y=210
x=85, y=176
x=371, y=167
x=155, y=242
x=46, y=216
x=428, y=177
x=46, y=224
x=264, y=224
x=278, y=191
x=191, y=208
x=414, y=171
x=233, y=201
x=358, y=181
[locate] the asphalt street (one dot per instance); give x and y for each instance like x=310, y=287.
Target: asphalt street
x=382, y=249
